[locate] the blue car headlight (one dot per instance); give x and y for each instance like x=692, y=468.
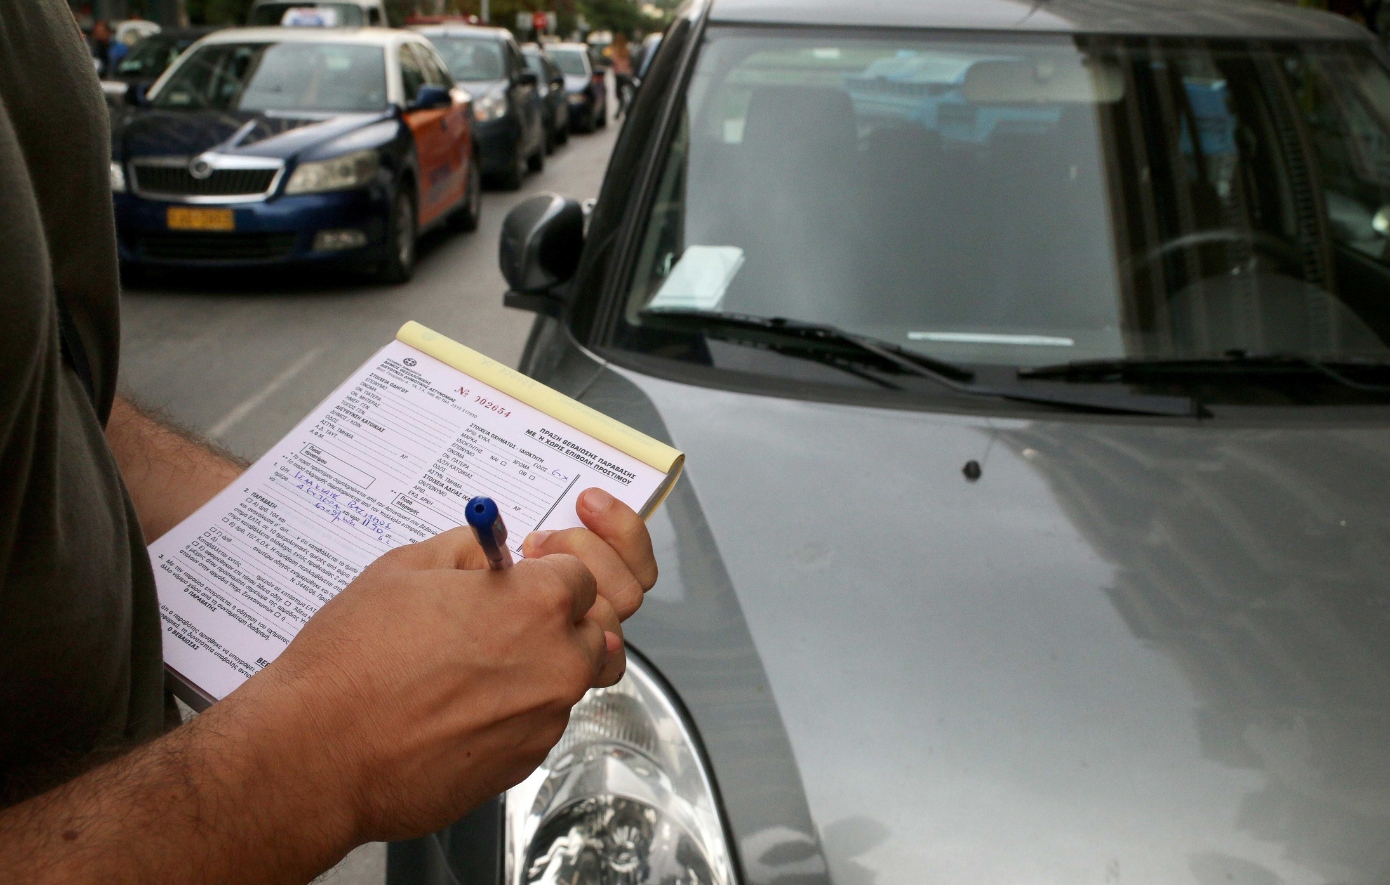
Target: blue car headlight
x=490, y=107
x=349, y=171
x=623, y=799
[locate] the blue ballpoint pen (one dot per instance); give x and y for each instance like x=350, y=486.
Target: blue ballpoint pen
x=482, y=514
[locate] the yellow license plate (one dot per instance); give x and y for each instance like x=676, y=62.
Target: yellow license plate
x=186, y=218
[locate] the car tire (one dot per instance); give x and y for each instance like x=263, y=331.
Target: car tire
x=466, y=217
x=562, y=133
x=516, y=170
x=536, y=162
x=398, y=264
x=550, y=140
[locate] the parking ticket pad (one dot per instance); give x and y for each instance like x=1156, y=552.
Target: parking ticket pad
x=389, y=458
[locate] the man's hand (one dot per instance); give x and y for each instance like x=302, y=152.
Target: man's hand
x=424, y=687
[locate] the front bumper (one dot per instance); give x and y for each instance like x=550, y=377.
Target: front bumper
x=497, y=144
x=276, y=232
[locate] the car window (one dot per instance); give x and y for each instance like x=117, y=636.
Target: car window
x=571, y=61
x=1026, y=202
x=471, y=58
x=148, y=58
x=349, y=15
x=278, y=76
x=412, y=74
x=434, y=69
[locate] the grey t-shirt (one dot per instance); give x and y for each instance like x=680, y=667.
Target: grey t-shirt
x=80, y=659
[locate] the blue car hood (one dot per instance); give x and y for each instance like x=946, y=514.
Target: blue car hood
x=1130, y=651
x=189, y=133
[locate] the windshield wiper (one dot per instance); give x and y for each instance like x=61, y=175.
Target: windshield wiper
x=852, y=352
x=1236, y=363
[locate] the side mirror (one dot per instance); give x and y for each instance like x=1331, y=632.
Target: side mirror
x=137, y=95
x=542, y=239
x=431, y=97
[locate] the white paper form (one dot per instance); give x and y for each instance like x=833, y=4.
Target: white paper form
x=390, y=458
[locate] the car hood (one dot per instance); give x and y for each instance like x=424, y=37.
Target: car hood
x=1129, y=651
x=479, y=88
x=188, y=133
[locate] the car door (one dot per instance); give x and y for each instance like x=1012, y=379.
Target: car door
x=432, y=140
x=524, y=99
x=458, y=132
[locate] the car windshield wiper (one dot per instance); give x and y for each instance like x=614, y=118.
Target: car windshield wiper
x=1235, y=363
x=853, y=352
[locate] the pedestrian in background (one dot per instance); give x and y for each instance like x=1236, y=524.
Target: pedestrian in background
x=620, y=53
x=101, y=44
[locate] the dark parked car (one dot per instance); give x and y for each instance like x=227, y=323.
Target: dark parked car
x=508, y=115
x=273, y=146
x=550, y=82
x=585, y=86
x=1032, y=366
x=149, y=58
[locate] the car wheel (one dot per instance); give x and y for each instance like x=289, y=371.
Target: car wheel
x=466, y=217
x=550, y=140
x=562, y=133
x=536, y=162
x=398, y=264
x=516, y=170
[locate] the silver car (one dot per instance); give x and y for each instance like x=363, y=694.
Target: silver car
x=1032, y=362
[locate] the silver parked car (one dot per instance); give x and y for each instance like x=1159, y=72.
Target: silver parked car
x=1032, y=362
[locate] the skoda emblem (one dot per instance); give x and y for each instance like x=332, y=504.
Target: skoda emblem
x=409, y=361
x=200, y=168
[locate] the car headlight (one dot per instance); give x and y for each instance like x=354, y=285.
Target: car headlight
x=578, y=97
x=117, y=178
x=338, y=174
x=623, y=799
x=490, y=106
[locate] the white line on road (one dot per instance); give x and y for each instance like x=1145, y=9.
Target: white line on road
x=255, y=401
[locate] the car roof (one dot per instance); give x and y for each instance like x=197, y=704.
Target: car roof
x=577, y=47
x=461, y=30
x=282, y=34
x=1196, y=18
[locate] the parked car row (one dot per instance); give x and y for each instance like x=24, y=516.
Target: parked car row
x=327, y=146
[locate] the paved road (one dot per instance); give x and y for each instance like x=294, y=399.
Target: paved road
x=242, y=359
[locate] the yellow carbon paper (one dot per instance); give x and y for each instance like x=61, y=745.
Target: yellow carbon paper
x=536, y=395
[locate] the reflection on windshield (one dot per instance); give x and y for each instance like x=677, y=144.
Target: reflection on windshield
x=1027, y=202
x=278, y=76
x=471, y=59
x=571, y=61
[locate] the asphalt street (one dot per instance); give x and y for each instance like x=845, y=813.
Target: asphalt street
x=241, y=358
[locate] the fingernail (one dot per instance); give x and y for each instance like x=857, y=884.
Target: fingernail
x=539, y=537
x=595, y=500
x=614, y=643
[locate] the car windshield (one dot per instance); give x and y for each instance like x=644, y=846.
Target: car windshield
x=347, y=15
x=278, y=77
x=150, y=57
x=471, y=58
x=1022, y=202
x=571, y=61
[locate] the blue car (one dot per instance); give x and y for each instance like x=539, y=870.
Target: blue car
x=508, y=107
x=277, y=146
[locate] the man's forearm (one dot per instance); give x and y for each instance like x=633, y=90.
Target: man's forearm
x=223, y=799
x=169, y=471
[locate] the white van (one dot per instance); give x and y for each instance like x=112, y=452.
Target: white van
x=336, y=13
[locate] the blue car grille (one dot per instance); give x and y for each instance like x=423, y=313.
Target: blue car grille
x=214, y=246
x=178, y=181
